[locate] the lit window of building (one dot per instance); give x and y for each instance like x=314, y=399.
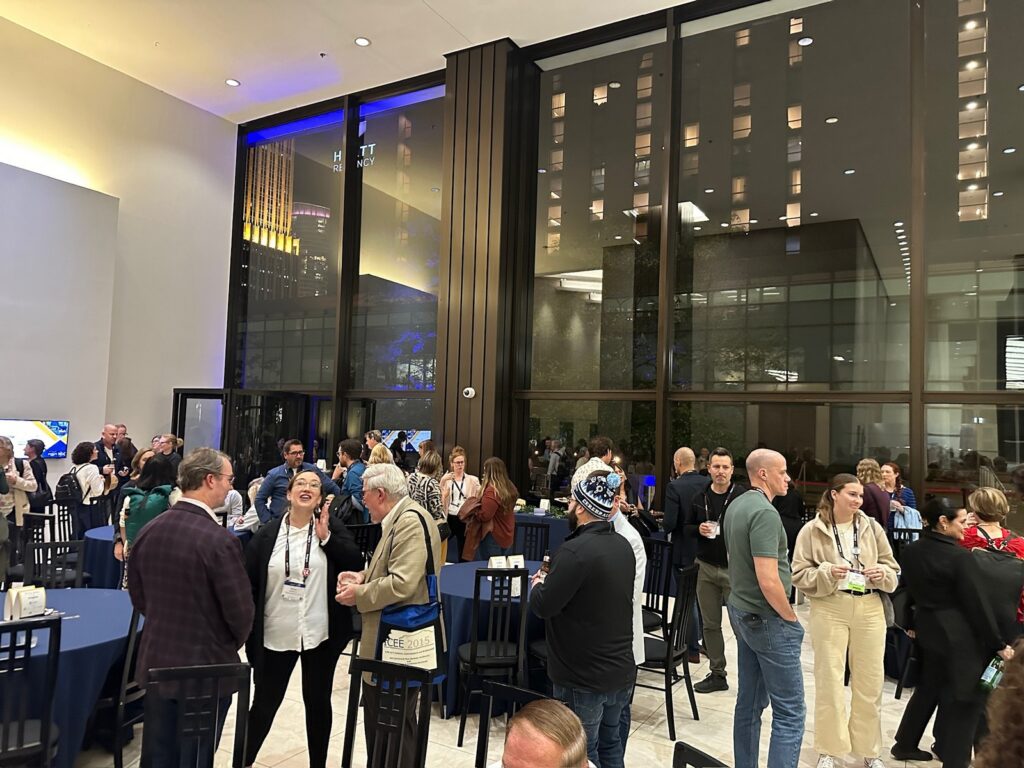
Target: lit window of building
x=643, y=115
x=796, y=25
x=600, y=94
x=558, y=105
x=741, y=95
x=554, y=215
x=794, y=181
x=796, y=53
x=742, y=37
x=643, y=145
x=557, y=132
x=739, y=189
x=794, y=116
x=556, y=160
x=555, y=188
x=597, y=210
x=741, y=127
x=794, y=149
x=644, y=86
x=691, y=134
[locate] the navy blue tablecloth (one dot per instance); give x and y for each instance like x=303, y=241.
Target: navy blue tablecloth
x=100, y=563
x=94, y=636
x=457, y=584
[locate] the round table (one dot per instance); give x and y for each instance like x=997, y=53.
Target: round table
x=94, y=635
x=100, y=563
x=457, y=584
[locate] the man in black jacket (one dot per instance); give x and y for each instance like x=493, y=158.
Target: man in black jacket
x=587, y=603
x=679, y=497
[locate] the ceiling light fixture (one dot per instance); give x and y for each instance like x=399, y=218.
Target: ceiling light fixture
x=618, y=237
x=998, y=194
x=971, y=65
x=849, y=171
x=831, y=120
x=709, y=190
x=803, y=42
x=723, y=224
x=972, y=187
x=362, y=42
x=973, y=145
x=1021, y=87
x=614, y=84
x=813, y=213
x=753, y=221
x=1009, y=150
x=696, y=229
x=897, y=223
x=232, y=82
x=972, y=24
x=435, y=189
x=899, y=231
x=542, y=170
x=971, y=105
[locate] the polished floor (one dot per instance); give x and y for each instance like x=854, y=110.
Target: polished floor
x=648, y=746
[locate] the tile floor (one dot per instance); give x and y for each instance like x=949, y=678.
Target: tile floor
x=648, y=746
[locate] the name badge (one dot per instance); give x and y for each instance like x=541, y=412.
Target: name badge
x=293, y=590
x=453, y=508
x=856, y=582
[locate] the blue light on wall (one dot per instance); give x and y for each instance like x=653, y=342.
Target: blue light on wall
x=402, y=100
x=326, y=120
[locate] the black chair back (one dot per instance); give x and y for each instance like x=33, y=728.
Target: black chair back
x=532, y=539
x=367, y=537
x=658, y=580
x=37, y=525
x=690, y=757
x=901, y=537
x=682, y=613
x=195, y=694
x=54, y=564
x=64, y=520
x=25, y=741
x=504, y=637
x=128, y=692
x=512, y=698
x=396, y=697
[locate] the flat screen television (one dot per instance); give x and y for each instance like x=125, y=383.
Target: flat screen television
x=54, y=435
x=413, y=437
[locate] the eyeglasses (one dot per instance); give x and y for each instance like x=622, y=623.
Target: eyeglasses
x=296, y=453
x=312, y=484
x=231, y=478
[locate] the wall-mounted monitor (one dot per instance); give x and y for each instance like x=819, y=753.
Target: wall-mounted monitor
x=54, y=435
x=413, y=437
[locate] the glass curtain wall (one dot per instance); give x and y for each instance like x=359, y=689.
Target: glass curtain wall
x=804, y=269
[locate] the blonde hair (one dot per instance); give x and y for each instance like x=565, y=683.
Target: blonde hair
x=556, y=722
x=989, y=505
x=429, y=464
x=868, y=471
x=381, y=454
x=457, y=451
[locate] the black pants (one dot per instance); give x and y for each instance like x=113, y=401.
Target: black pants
x=958, y=724
x=458, y=537
x=271, y=679
x=371, y=711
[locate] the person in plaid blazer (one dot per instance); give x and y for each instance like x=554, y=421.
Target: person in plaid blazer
x=188, y=580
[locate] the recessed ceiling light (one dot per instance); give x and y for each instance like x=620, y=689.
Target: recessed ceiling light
x=899, y=231
x=696, y=229
x=362, y=42
x=814, y=213
x=542, y=170
x=972, y=24
x=709, y=190
x=1021, y=87
x=803, y=42
x=901, y=237
x=971, y=65
x=1009, y=150
x=973, y=145
x=232, y=82
x=831, y=120
x=897, y=223
x=979, y=269
x=850, y=171
x=782, y=218
x=972, y=187
x=753, y=221
x=998, y=194
x=614, y=84
x=971, y=105
x=723, y=224
x=618, y=237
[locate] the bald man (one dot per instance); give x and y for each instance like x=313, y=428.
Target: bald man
x=678, y=497
x=768, y=634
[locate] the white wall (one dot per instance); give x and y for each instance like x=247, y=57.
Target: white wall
x=56, y=364
x=171, y=166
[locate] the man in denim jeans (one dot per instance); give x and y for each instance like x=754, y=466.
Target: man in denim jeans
x=586, y=601
x=768, y=635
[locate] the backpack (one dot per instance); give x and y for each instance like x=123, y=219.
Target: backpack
x=68, y=490
x=41, y=496
x=347, y=509
x=143, y=506
x=1002, y=573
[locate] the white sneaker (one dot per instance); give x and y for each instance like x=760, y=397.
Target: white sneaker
x=873, y=762
x=826, y=761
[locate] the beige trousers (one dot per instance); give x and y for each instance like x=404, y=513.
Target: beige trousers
x=842, y=624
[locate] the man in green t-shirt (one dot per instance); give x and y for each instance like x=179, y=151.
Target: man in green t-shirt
x=768, y=635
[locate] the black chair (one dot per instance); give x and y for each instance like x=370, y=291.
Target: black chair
x=25, y=741
x=532, y=539
x=690, y=757
x=901, y=537
x=511, y=698
x=34, y=530
x=64, y=520
x=195, y=694
x=367, y=537
x=393, y=680
x=657, y=584
x=128, y=693
x=666, y=655
x=55, y=564
x=502, y=648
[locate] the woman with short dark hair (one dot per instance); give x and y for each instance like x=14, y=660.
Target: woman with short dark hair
x=92, y=484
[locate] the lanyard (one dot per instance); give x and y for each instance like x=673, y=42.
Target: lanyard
x=856, y=542
x=287, y=549
x=462, y=493
x=707, y=502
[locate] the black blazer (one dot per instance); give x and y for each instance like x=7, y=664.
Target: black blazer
x=342, y=553
x=953, y=616
x=678, y=497
x=102, y=460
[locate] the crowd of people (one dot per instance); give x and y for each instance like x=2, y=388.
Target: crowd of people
x=291, y=591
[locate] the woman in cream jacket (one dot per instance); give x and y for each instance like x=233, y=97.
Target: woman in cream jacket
x=842, y=561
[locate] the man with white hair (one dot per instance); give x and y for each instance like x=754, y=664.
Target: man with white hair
x=396, y=576
x=768, y=634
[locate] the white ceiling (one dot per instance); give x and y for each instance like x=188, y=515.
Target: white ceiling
x=189, y=47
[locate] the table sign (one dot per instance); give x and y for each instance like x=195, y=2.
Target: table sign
x=24, y=602
x=545, y=504
x=511, y=561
